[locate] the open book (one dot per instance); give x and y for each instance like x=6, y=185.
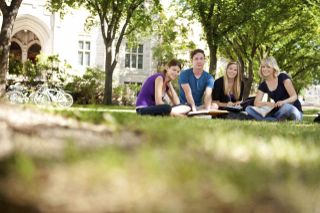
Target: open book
x=263, y=110
x=208, y=112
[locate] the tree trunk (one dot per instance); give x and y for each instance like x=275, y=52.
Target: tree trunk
x=107, y=98
x=213, y=48
x=248, y=81
x=9, y=16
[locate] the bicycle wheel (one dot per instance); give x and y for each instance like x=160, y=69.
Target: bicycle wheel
x=15, y=97
x=32, y=96
x=41, y=99
x=64, y=99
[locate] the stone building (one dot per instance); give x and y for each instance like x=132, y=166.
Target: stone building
x=38, y=30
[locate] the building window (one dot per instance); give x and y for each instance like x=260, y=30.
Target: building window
x=84, y=53
x=134, y=57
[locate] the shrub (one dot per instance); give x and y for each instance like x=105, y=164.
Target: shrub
x=125, y=94
x=31, y=70
x=88, y=88
x=15, y=66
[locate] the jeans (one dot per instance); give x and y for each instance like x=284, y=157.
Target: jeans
x=163, y=109
x=285, y=112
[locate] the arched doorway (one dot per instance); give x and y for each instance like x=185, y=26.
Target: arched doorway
x=33, y=51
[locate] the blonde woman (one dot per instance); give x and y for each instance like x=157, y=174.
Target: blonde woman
x=279, y=87
x=228, y=89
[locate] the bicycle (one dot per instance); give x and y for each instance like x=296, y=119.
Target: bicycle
x=17, y=94
x=47, y=96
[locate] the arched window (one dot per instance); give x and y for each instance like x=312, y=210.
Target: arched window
x=15, y=51
x=33, y=51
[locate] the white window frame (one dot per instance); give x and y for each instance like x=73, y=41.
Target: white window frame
x=133, y=56
x=84, y=52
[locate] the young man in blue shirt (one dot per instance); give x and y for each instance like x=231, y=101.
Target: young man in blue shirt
x=196, y=84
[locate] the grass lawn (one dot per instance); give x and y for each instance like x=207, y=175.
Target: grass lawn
x=183, y=165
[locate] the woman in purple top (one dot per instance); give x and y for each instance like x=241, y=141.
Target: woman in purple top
x=279, y=87
x=150, y=100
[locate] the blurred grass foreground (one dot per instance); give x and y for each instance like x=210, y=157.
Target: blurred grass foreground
x=100, y=160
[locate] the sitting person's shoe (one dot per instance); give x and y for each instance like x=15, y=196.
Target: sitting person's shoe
x=317, y=119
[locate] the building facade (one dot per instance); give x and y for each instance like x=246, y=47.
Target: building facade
x=38, y=30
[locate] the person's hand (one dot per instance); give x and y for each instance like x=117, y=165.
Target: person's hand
x=270, y=104
x=279, y=103
x=194, y=108
x=237, y=103
x=230, y=104
x=214, y=106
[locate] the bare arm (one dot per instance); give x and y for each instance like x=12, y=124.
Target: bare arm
x=173, y=95
x=258, y=100
x=207, y=98
x=291, y=91
x=187, y=91
x=158, y=90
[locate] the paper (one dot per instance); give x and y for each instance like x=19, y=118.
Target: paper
x=263, y=110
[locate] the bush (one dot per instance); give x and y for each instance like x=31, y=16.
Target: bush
x=31, y=70
x=15, y=66
x=88, y=88
x=126, y=94
x=44, y=68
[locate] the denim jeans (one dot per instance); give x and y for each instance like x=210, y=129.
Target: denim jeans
x=285, y=112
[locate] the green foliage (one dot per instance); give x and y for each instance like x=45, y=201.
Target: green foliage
x=284, y=29
x=219, y=18
x=87, y=88
x=15, y=66
x=31, y=70
x=50, y=68
x=54, y=70
x=172, y=36
x=125, y=94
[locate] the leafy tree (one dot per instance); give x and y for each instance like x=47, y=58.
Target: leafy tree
x=283, y=29
x=298, y=52
x=220, y=17
x=118, y=18
x=9, y=10
x=172, y=37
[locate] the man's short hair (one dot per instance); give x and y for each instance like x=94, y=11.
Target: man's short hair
x=194, y=52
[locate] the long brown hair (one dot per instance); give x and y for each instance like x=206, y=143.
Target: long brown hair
x=236, y=89
x=171, y=63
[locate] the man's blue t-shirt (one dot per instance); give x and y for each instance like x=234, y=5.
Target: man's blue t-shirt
x=198, y=86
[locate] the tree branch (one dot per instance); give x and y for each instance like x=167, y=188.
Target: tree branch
x=3, y=6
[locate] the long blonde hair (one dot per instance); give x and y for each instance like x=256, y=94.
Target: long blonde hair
x=236, y=89
x=270, y=62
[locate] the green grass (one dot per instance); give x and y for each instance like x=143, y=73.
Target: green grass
x=198, y=165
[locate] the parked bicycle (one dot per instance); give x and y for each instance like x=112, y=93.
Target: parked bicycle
x=46, y=96
x=17, y=94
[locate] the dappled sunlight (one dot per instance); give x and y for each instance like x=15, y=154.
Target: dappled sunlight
x=243, y=148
